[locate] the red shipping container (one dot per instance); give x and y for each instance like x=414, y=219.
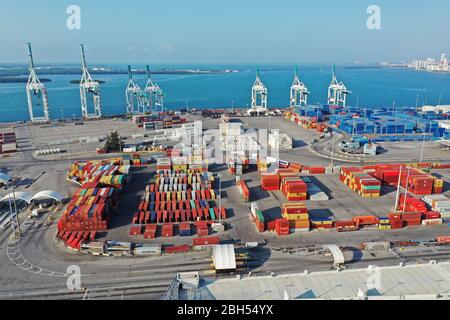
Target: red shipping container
x=167, y=230
x=205, y=241
x=202, y=232
x=177, y=249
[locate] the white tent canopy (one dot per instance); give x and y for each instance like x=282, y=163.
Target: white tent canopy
x=47, y=194
x=4, y=178
x=224, y=257
x=19, y=195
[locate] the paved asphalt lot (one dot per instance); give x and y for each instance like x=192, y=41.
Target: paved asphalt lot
x=35, y=267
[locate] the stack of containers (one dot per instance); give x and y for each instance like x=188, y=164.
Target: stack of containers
x=297, y=215
x=89, y=210
x=244, y=190
x=270, y=182
x=412, y=218
x=417, y=182
x=258, y=217
x=150, y=231
x=411, y=204
x=294, y=188
x=135, y=230
x=8, y=142
x=167, y=230
x=396, y=221
x=362, y=183
x=282, y=227
x=388, y=173
x=384, y=224
x=202, y=228
x=179, y=164
x=185, y=229
x=441, y=204
x=163, y=164
x=108, y=172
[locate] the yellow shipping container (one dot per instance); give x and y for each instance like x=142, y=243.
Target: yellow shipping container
x=179, y=167
x=294, y=205
x=370, y=195
x=438, y=183
x=299, y=216
x=323, y=223
x=299, y=225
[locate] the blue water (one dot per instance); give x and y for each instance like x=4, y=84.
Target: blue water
x=372, y=87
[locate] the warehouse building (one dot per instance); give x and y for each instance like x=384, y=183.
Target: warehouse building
x=428, y=281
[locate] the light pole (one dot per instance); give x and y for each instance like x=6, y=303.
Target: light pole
x=62, y=115
x=422, y=149
x=406, y=190
x=397, y=196
x=220, y=197
x=417, y=101
x=14, y=215
x=440, y=99
x=332, y=152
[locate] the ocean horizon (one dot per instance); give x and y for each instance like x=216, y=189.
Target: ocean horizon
x=371, y=86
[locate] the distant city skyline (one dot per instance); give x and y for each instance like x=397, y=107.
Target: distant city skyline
x=232, y=32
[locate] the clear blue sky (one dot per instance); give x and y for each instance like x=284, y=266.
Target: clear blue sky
x=226, y=31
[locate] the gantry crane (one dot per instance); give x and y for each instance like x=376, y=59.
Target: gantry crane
x=89, y=91
x=337, y=92
x=299, y=92
x=135, y=96
x=259, y=98
x=36, y=94
x=154, y=95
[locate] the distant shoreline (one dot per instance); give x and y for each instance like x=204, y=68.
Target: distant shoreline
x=10, y=74
x=19, y=80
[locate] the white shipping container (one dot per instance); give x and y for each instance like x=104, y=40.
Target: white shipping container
x=432, y=222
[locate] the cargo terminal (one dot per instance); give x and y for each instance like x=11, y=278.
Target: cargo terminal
x=162, y=202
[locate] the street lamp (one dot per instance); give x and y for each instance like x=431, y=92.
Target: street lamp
x=220, y=196
x=13, y=215
x=332, y=152
x=422, y=150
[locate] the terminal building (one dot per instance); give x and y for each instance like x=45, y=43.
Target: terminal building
x=415, y=282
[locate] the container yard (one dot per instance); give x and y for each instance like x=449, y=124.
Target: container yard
x=166, y=206
x=161, y=198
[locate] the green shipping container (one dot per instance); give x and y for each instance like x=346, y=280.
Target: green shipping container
x=372, y=188
x=260, y=216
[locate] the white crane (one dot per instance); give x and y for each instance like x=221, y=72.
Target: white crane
x=36, y=94
x=299, y=92
x=89, y=91
x=134, y=95
x=154, y=95
x=337, y=92
x=259, y=98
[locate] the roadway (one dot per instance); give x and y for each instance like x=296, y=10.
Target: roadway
x=36, y=266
